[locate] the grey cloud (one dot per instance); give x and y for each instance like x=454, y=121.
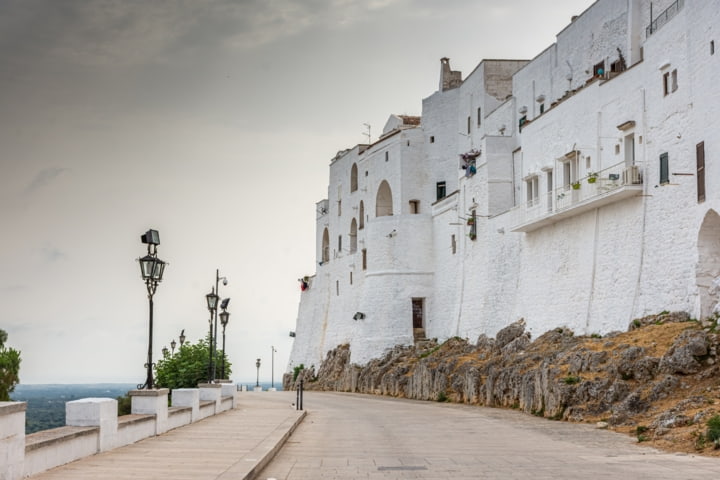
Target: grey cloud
x=44, y=177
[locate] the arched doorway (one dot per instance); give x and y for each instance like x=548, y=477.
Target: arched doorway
x=383, y=200
x=707, y=272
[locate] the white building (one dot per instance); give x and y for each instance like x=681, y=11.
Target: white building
x=583, y=198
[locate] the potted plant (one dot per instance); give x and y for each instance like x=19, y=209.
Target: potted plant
x=472, y=235
x=592, y=177
x=575, y=185
x=471, y=221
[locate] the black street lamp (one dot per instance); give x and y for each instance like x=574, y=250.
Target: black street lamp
x=165, y=352
x=272, y=366
x=182, y=337
x=151, y=270
x=212, y=299
x=212, y=302
x=257, y=382
x=224, y=319
x=173, y=344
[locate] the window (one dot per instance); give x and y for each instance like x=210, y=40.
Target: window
x=473, y=225
x=364, y=259
x=479, y=117
x=522, y=121
x=350, y=278
x=570, y=168
x=432, y=139
x=453, y=244
x=599, y=69
x=630, y=149
x=664, y=169
x=353, y=236
x=339, y=207
x=361, y=216
x=339, y=243
x=666, y=83
x=700, y=158
x=353, y=178
x=542, y=108
x=440, y=190
x=712, y=47
x=414, y=206
x=673, y=78
x=550, y=188
x=387, y=156
x=469, y=121
x=532, y=190
x=337, y=287
x=325, y=254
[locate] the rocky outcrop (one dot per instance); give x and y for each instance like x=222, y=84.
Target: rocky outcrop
x=615, y=378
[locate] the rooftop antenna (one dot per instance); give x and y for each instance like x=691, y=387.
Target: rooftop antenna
x=367, y=125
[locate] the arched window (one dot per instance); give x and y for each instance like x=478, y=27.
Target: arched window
x=353, y=178
x=383, y=201
x=353, y=236
x=707, y=270
x=325, y=247
x=361, y=215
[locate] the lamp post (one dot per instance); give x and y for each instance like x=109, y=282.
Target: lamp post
x=182, y=337
x=212, y=299
x=151, y=270
x=212, y=306
x=173, y=344
x=272, y=366
x=224, y=319
x=257, y=382
x=164, y=352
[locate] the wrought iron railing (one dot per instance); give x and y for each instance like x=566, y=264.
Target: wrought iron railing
x=664, y=17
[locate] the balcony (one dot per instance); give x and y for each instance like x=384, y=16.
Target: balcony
x=610, y=185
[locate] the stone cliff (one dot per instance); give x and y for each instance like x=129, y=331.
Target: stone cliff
x=660, y=380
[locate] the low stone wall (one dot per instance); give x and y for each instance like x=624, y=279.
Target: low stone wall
x=93, y=426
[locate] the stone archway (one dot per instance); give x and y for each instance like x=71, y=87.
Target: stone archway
x=383, y=200
x=707, y=272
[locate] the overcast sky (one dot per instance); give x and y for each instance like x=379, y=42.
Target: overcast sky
x=213, y=122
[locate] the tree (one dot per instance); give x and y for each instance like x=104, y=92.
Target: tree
x=9, y=368
x=189, y=366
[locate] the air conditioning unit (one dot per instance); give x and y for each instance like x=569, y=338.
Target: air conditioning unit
x=632, y=176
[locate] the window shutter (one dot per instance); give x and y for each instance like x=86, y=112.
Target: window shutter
x=664, y=169
x=700, y=154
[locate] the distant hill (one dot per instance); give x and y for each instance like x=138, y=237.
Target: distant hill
x=46, y=403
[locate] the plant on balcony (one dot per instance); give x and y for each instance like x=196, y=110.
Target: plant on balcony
x=592, y=177
x=471, y=221
x=575, y=185
x=472, y=235
x=468, y=162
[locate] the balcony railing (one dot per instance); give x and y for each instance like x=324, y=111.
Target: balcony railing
x=664, y=17
x=609, y=185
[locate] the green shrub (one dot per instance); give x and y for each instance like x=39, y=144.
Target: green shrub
x=442, y=397
x=297, y=370
x=713, y=430
x=571, y=379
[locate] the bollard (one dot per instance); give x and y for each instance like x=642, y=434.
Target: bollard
x=299, y=399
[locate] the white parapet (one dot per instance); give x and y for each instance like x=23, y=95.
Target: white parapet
x=12, y=440
x=95, y=412
x=229, y=390
x=211, y=392
x=152, y=402
x=187, y=397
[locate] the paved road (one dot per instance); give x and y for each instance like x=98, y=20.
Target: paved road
x=346, y=436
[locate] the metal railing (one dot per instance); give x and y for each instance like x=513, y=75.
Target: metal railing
x=664, y=17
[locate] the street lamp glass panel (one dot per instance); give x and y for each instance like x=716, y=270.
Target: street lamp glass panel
x=158, y=269
x=212, y=300
x=224, y=318
x=147, y=266
x=173, y=344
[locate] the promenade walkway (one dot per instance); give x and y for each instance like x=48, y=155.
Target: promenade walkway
x=347, y=436
x=232, y=445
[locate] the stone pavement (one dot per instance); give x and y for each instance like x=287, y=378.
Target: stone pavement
x=233, y=445
x=348, y=436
